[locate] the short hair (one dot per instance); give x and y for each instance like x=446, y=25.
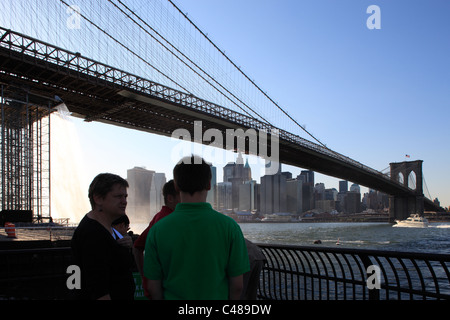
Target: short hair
x=121, y=219
x=169, y=189
x=192, y=174
x=102, y=184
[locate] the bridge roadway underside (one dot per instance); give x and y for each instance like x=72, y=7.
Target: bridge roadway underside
x=95, y=99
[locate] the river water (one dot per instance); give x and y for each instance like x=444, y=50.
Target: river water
x=380, y=236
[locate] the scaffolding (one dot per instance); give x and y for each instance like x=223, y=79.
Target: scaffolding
x=25, y=153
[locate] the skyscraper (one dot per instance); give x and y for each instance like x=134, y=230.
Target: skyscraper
x=343, y=186
x=273, y=196
x=224, y=196
x=294, y=198
x=144, y=194
x=140, y=181
x=307, y=177
x=156, y=196
x=237, y=174
x=212, y=193
x=247, y=196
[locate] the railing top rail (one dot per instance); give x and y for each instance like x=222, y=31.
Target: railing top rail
x=8, y=252
x=369, y=252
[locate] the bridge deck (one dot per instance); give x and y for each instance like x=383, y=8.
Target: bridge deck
x=98, y=92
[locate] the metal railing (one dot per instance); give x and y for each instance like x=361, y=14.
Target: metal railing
x=38, y=273
x=323, y=273
x=291, y=273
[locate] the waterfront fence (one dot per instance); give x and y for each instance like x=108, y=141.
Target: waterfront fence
x=328, y=273
x=291, y=273
x=37, y=273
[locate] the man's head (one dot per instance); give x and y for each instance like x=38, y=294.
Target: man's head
x=108, y=192
x=170, y=194
x=121, y=224
x=192, y=174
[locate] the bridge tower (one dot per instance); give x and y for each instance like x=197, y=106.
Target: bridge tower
x=409, y=174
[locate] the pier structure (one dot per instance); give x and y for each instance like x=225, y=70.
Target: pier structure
x=24, y=155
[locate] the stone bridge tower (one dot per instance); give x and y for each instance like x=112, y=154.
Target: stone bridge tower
x=402, y=206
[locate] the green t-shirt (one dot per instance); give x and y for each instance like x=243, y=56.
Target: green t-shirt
x=194, y=251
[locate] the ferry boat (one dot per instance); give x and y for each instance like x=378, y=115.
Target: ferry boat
x=415, y=220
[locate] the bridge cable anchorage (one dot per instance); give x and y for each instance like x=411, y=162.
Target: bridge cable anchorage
x=186, y=64
x=248, y=78
x=128, y=49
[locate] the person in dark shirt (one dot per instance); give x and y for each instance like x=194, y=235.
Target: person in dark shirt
x=171, y=199
x=104, y=264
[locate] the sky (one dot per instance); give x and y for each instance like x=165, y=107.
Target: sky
x=374, y=95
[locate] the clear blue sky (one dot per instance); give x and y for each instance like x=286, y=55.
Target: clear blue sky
x=372, y=95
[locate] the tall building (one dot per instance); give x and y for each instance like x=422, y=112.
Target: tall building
x=140, y=181
x=331, y=194
x=224, y=199
x=376, y=200
x=319, y=192
x=237, y=174
x=228, y=171
x=156, y=196
x=144, y=194
x=212, y=193
x=343, y=186
x=353, y=202
x=307, y=178
x=247, y=196
x=294, y=196
x=355, y=188
x=273, y=195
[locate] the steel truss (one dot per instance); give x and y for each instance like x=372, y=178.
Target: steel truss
x=25, y=153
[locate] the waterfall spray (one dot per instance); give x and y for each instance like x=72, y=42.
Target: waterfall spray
x=68, y=178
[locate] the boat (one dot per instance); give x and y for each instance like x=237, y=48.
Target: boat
x=415, y=220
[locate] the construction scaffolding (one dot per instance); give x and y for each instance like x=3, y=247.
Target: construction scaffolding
x=25, y=155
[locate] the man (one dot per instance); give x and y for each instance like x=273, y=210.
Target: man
x=104, y=263
x=120, y=228
x=171, y=199
x=195, y=253
x=251, y=279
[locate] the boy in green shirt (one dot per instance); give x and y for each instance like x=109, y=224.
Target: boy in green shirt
x=195, y=253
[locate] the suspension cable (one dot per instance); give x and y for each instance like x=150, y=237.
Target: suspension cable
x=426, y=187
x=127, y=48
x=181, y=60
x=245, y=75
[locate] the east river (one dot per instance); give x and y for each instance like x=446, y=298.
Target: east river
x=382, y=236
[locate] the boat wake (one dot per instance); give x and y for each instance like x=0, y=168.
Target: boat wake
x=440, y=226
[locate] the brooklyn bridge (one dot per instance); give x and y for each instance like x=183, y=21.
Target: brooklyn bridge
x=36, y=76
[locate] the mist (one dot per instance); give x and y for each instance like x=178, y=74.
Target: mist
x=69, y=185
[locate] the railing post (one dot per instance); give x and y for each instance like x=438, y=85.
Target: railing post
x=374, y=293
